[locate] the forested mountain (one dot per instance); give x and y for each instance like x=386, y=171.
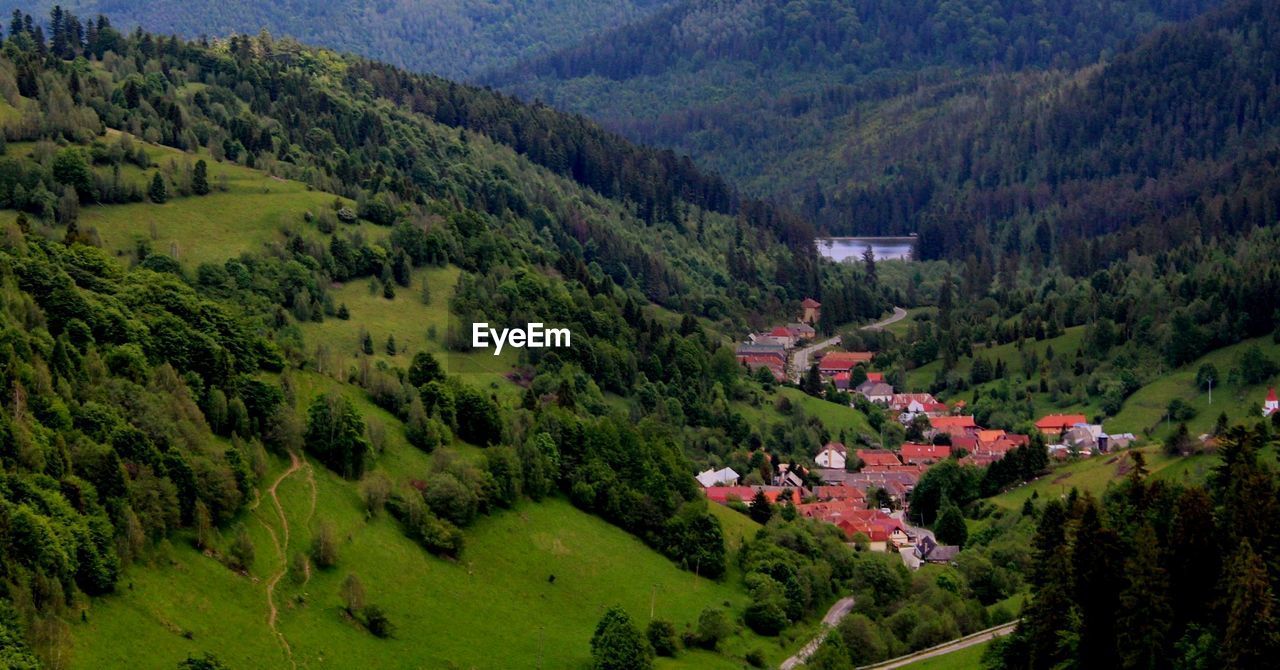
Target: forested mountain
x=874, y=119
x=455, y=38
x=164, y=379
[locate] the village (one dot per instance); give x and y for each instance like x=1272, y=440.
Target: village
x=866, y=492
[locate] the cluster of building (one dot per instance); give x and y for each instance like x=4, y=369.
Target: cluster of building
x=1069, y=434
x=770, y=349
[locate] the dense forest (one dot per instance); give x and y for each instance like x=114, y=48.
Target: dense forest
x=1157, y=575
x=845, y=106
x=452, y=38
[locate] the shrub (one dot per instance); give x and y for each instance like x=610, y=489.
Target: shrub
x=662, y=637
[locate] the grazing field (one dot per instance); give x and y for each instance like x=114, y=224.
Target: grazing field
x=183, y=602
x=964, y=659
x=1094, y=474
x=416, y=327
x=1145, y=409
x=1064, y=344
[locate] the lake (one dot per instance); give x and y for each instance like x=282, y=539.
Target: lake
x=851, y=248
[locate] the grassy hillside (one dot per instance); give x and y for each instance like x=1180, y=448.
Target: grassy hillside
x=1145, y=410
x=964, y=659
x=180, y=602
x=184, y=603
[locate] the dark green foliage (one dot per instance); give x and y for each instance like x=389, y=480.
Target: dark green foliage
x=424, y=368
x=950, y=527
x=662, y=638
x=479, y=421
x=761, y=508
x=945, y=481
x=377, y=622
x=206, y=662
x=157, y=191
x=693, y=539
x=1110, y=587
x=335, y=435
x=200, y=178
x=618, y=645
x=713, y=626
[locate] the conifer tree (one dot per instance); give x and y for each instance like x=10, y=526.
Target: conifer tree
x=1145, y=612
x=1250, y=640
x=158, y=192
x=200, y=178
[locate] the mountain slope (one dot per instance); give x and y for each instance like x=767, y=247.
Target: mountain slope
x=749, y=87
x=452, y=38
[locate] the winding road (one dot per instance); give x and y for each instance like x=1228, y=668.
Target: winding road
x=800, y=358
x=837, y=612
x=898, y=315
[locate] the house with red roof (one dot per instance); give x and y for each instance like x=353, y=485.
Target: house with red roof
x=1054, y=425
x=924, y=454
x=841, y=381
x=840, y=494
x=1272, y=404
x=954, y=426
x=877, y=457
x=843, y=361
x=728, y=494
x=910, y=405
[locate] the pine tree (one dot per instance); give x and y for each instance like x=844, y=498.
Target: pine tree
x=761, y=510
x=1193, y=553
x=158, y=192
x=812, y=383
x=391, y=345
x=1146, y=616
x=200, y=178
x=1250, y=640
x=366, y=344
x=1096, y=573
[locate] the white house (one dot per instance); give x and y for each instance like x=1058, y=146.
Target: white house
x=1272, y=403
x=831, y=456
x=721, y=477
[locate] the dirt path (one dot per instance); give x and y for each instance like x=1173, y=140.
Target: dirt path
x=837, y=612
x=282, y=549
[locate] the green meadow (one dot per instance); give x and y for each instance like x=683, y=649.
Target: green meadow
x=963, y=659
x=182, y=602
x=1145, y=410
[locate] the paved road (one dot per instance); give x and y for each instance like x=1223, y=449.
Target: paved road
x=800, y=359
x=946, y=648
x=837, y=612
x=898, y=315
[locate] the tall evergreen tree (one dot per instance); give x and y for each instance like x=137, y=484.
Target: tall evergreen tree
x=1146, y=615
x=1250, y=640
x=158, y=192
x=200, y=178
